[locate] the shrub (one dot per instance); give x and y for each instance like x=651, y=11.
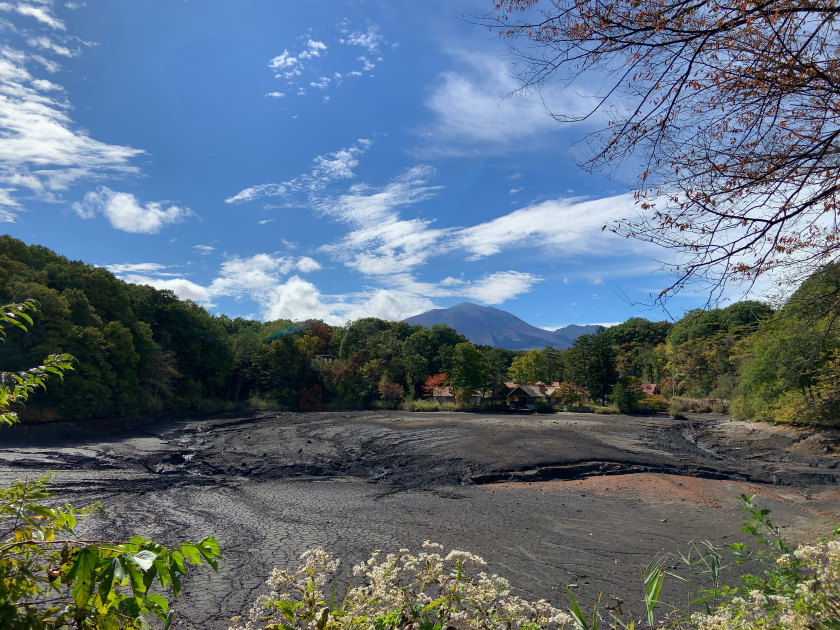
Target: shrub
x=605, y=410
x=626, y=394
x=575, y=408
x=699, y=405
x=653, y=404
x=427, y=590
x=429, y=405
x=542, y=406
x=51, y=580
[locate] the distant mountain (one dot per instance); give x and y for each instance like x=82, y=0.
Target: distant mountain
x=487, y=326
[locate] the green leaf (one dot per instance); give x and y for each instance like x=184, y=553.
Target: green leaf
x=83, y=575
x=160, y=602
x=287, y=608
x=106, y=582
x=209, y=549
x=191, y=553
x=135, y=575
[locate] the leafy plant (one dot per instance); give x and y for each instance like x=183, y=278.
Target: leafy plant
x=424, y=591
x=49, y=579
x=16, y=387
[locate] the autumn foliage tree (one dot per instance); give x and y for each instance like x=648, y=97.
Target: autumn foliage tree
x=729, y=111
x=434, y=384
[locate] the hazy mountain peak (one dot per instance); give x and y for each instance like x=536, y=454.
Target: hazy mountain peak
x=488, y=326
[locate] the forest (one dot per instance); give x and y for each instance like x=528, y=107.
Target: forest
x=138, y=349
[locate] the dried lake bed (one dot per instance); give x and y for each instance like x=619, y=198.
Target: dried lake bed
x=547, y=500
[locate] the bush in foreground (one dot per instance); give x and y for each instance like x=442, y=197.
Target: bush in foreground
x=427, y=591
x=51, y=580
x=799, y=589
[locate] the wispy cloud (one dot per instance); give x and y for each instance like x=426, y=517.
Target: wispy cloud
x=567, y=226
x=43, y=152
x=477, y=110
x=326, y=168
x=136, y=268
x=40, y=13
x=390, y=250
x=126, y=213
x=45, y=43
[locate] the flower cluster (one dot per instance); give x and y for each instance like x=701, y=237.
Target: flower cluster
x=814, y=603
x=400, y=590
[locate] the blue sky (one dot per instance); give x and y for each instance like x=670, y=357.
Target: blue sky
x=311, y=159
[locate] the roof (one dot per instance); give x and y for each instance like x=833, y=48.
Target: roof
x=530, y=390
x=650, y=389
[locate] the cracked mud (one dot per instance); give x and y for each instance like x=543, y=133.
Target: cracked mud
x=547, y=500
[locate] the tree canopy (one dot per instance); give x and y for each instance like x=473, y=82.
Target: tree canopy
x=726, y=112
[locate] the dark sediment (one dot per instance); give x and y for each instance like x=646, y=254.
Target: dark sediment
x=547, y=500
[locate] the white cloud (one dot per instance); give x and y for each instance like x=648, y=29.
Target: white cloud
x=204, y=249
x=184, y=289
x=41, y=13
x=49, y=65
x=276, y=94
x=307, y=264
x=328, y=167
x=513, y=176
x=264, y=221
x=379, y=241
x=497, y=287
x=568, y=226
x=284, y=60
x=42, y=151
x=513, y=191
x=369, y=39
x=45, y=43
x=135, y=268
x=314, y=49
x=368, y=65
x=321, y=83
x=125, y=212
x=477, y=110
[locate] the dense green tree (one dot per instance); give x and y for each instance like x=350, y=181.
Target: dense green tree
x=527, y=369
x=416, y=371
x=552, y=364
x=361, y=336
x=591, y=363
x=741, y=317
x=467, y=374
x=639, y=331
x=496, y=364
x=789, y=354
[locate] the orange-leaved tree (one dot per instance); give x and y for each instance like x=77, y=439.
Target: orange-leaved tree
x=434, y=384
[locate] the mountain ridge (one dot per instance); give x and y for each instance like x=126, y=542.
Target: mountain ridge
x=488, y=326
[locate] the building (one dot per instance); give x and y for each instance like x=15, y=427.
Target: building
x=650, y=389
x=525, y=396
x=447, y=395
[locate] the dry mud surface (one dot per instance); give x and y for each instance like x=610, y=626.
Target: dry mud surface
x=548, y=501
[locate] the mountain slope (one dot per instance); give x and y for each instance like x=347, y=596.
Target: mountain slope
x=488, y=326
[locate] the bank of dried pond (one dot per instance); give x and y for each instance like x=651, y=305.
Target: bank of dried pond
x=547, y=500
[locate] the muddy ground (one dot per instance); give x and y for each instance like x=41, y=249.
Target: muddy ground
x=549, y=501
